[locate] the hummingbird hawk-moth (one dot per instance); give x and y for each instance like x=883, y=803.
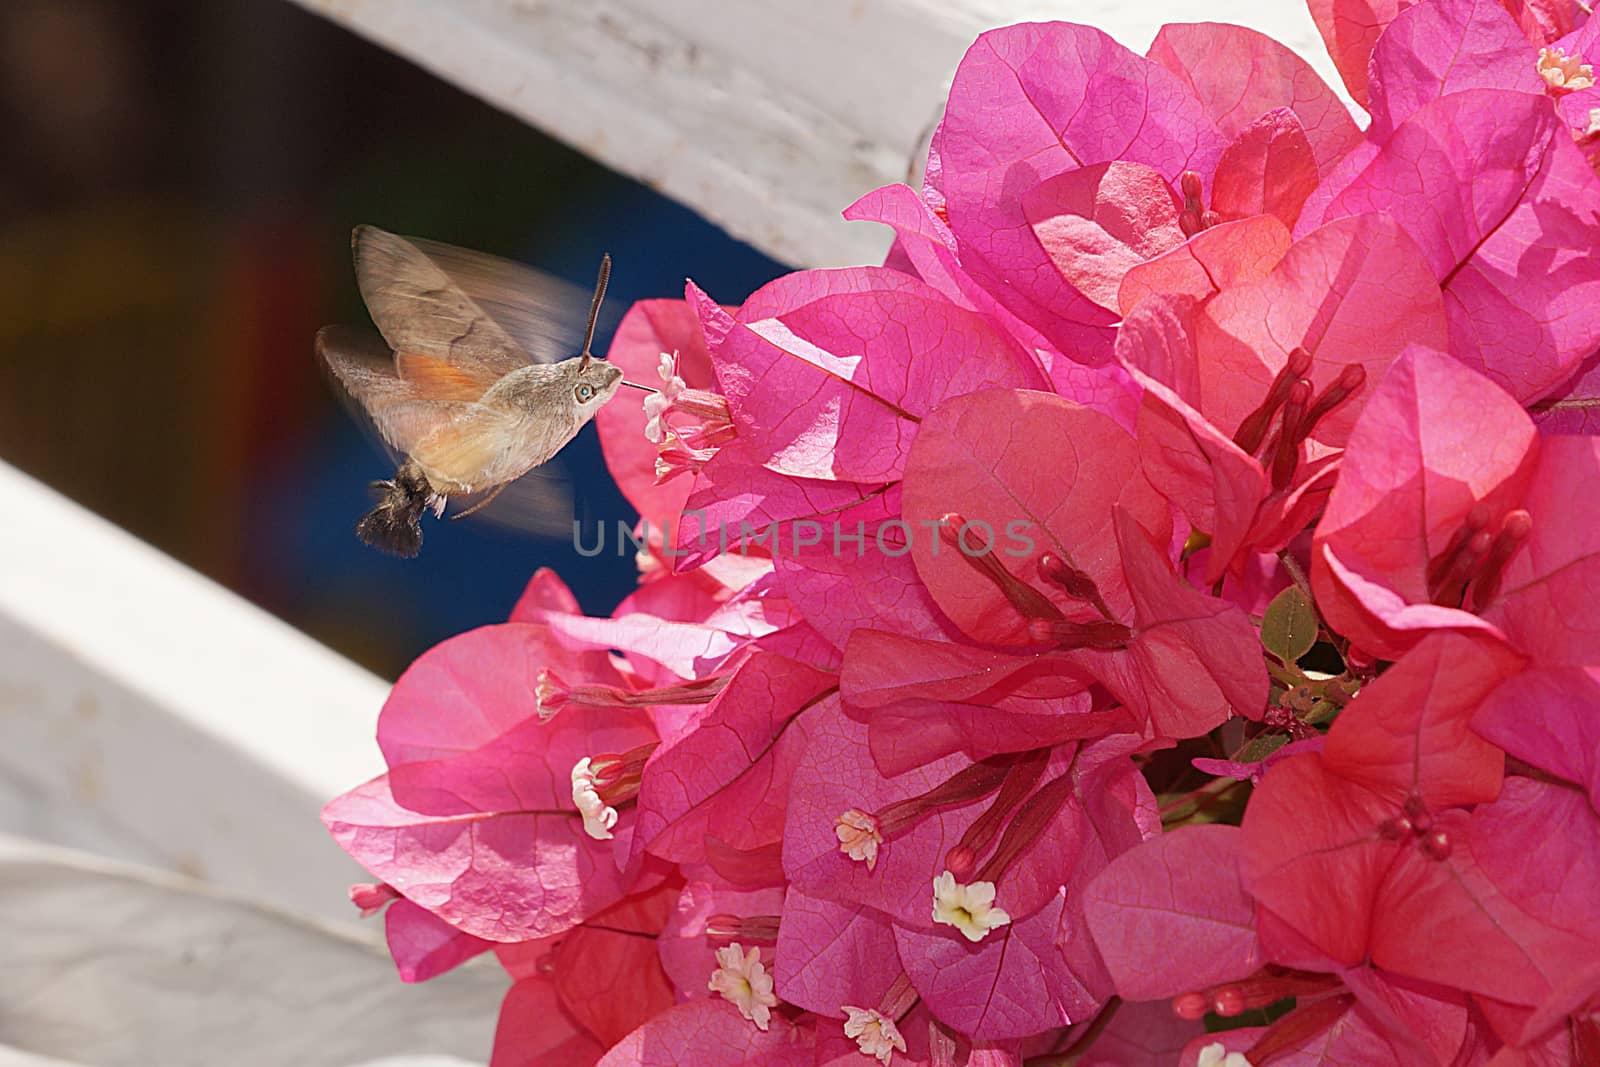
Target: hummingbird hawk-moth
x=473, y=378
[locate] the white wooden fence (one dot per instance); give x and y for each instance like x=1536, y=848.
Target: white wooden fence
x=147, y=715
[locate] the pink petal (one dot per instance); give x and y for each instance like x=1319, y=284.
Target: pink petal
x=1434, y=440
x=423, y=945
x=1407, y=732
x=1192, y=664
x=1030, y=102
x=1213, y=259
x=534, y=1032
x=1239, y=74
x=649, y=329
x=1269, y=169
x=1447, y=46
x=471, y=689
x=1312, y=855
x=688, y=953
x=1170, y=917
x=1216, y=485
x=1505, y=208
x=1350, y=28
x=1013, y=983
x=711, y=1033
x=827, y=372
x=1573, y=408
x=1030, y=463
x=832, y=954
x=839, y=773
x=1141, y=1035
x=1548, y=717
x=1356, y=291
x=1547, y=597
x=1447, y=921
x=1098, y=221
x=502, y=876
x=610, y=981
x=690, y=778
x=858, y=572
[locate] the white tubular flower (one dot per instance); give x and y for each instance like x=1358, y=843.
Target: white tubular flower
x=1563, y=73
x=742, y=981
x=1215, y=1055
x=858, y=836
x=969, y=908
x=875, y=1034
x=656, y=405
x=598, y=817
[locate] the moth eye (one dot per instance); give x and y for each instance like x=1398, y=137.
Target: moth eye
x=584, y=393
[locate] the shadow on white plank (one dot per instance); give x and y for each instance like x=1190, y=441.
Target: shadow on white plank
x=148, y=714
x=110, y=965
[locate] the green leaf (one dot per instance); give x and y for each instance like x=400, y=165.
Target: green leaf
x=1260, y=747
x=1289, y=628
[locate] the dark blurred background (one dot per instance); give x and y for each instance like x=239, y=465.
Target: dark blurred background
x=180, y=184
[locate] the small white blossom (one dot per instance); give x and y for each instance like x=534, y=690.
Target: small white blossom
x=858, y=836
x=875, y=1034
x=1216, y=1055
x=744, y=982
x=656, y=405
x=969, y=908
x=598, y=817
x=1564, y=73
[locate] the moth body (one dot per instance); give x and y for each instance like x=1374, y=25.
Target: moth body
x=465, y=383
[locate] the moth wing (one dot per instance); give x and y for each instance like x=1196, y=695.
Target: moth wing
x=395, y=409
x=539, y=503
x=489, y=316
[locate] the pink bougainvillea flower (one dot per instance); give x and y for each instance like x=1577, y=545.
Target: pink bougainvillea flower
x=726, y=776
x=650, y=329
x=711, y=1033
x=535, y=1032
x=827, y=373
x=1506, y=210
x=1351, y=29
x=477, y=819
x=1451, y=512
x=1050, y=201
x=1445, y=46
x=423, y=945
x=923, y=700
x=1177, y=895
x=1015, y=118
x=1082, y=574
x=1549, y=717
x=1392, y=869
x=1174, y=924
x=1027, y=825
x=1226, y=430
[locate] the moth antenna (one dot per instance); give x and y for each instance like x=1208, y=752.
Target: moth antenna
x=594, y=308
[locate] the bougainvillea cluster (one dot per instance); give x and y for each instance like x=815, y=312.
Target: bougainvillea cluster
x=1151, y=619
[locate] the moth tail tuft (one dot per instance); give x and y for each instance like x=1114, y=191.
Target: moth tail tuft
x=394, y=525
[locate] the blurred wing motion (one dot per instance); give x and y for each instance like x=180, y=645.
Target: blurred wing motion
x=479, y=314
x=538, y=503
x=398, y=411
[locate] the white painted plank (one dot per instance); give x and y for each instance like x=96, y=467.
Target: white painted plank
x=768, y=117
x=111, y=965
x=147, y=713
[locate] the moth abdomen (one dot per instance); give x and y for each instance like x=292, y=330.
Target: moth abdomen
x=394, y=525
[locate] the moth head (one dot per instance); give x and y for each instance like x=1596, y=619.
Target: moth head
x=593, y=382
